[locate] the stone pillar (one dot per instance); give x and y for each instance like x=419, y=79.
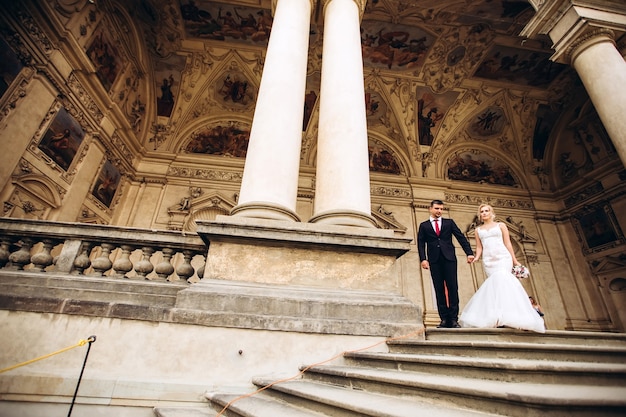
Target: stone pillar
x=603, y=72
x=269, y=187
x=342, y=195
x=583, y=35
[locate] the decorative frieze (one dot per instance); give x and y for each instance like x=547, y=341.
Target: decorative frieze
x=85, y=98
x=205, y=174
x=390, y=192
x=584, y=194
x=12, y=102
x=493, y=201
x=34, y=33
x=117, y=143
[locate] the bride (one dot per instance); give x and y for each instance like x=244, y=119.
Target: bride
x=501, y=300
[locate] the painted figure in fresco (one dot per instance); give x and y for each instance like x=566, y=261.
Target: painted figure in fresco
x=381, y=160
x=371, y=104
x=219, y=23
x=247, y=25
x=392, y=48
x=466, y=168
x=190, y=11
x=230, y=26
x=59, y=147
x=60, y=140
x=426, y=123
x=488, y=120
x=264, y=26
x=234, y=90
x=106, y=187
x=165, y=103
x=220, y=140
x=210, y=27
x=104, y=60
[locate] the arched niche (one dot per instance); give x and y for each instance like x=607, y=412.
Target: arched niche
x=203, y=207
x=33, y=197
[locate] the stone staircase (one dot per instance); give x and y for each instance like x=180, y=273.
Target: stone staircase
x=453, y=373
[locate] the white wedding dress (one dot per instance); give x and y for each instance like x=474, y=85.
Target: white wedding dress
x=501, y=300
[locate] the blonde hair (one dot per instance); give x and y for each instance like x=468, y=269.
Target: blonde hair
x=493, y=213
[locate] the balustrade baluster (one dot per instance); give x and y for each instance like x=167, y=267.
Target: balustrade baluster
x=4, y=251
x=144, y=267
x=103, y=262
x=43, y=259
x=82, y=261
x=123, y=265
x=165, y=268
x=20, y=258
x=185, y=270
x=200, y=269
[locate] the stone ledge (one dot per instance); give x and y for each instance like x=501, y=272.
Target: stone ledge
x=217, y=303
x=307, y=235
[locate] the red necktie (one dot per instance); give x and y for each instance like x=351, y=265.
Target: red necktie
x=437, y=230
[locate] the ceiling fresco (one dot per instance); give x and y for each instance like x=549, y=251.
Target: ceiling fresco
x=221, y=21
x=441, y=46
x=440, y=77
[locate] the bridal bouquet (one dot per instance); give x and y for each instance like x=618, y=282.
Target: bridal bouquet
x=520, y=271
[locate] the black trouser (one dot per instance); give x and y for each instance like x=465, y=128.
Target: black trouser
x=444, y=275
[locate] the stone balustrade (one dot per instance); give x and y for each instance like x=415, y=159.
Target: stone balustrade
x=101, y=251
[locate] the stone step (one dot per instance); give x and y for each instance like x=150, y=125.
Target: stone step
x=497, y=369
x=558, y=337
x=258, y=405
x=337, y=401
x=184, y=412
x=454, y=381
x=512, y=399
x=512, y=350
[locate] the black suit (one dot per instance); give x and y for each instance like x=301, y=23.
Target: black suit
x=441, y=256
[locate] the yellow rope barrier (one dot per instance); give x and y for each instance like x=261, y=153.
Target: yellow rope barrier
x=82, y=342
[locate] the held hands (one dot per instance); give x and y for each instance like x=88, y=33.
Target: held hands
x=471, y=259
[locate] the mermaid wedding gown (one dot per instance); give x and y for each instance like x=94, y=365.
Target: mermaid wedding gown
x=501, y=300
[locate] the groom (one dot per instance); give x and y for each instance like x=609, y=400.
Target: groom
x=437, y=253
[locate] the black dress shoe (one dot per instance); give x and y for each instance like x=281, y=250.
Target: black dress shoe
x=454, y=325
x=443, y=324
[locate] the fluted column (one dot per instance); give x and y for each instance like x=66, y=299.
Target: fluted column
x=583, y=35
x=342, y=194
x=602, y=70
x=269, y=187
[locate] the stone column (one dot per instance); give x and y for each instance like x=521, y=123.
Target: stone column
x=603, y=72
x=269, y=187
x=342, y=195
x=583, y=35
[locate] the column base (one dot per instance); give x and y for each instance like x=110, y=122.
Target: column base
x=264, y=210
x=344, y=218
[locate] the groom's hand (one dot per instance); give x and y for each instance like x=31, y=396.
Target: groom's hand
x=470, y=259
x=425, y=264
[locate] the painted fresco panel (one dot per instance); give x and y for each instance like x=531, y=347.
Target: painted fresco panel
x=62, y=139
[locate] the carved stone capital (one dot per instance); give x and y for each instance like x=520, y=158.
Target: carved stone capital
x=587, y=39
x=571, y=25
x=359, y=3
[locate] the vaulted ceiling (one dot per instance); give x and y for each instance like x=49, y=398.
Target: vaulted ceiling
x=442, y=78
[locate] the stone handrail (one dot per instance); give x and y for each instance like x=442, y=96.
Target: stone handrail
x=100, y=250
